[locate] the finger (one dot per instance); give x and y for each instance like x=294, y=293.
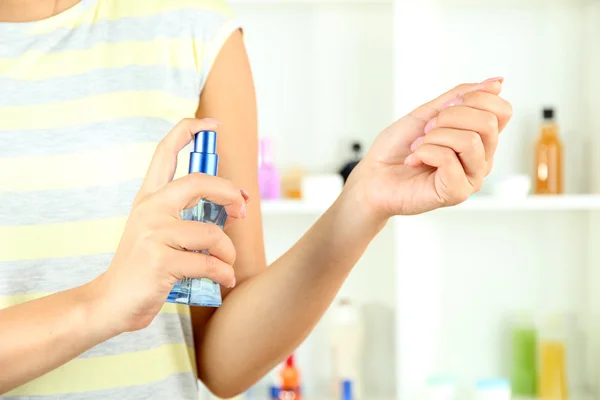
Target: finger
x=198, y=236
x=432, y=109
x=186, y=192
x=470, y=119
x=164, y=161
x=483, y=101
x=466, y=144
x=187, y=264
x=451, y=183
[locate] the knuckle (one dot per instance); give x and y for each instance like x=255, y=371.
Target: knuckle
x=491, y=123
x=474, y=141
x=448, y=156
x=509, y=110
x=463, y=196
x=211, y=266
x=463, y=87
x=212, y=232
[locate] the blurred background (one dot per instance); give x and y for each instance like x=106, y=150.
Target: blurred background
x=497, y=295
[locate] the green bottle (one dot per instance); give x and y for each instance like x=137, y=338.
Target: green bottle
x=524, y=358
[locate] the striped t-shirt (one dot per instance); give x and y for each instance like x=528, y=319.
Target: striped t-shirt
x=85, y=96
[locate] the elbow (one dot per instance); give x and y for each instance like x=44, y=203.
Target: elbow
x=223, y=384
x=224, y=390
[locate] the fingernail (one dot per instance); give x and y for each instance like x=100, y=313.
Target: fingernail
x=430, y=125
x=408, y=159
x=233, y=284
x=496, y=79
x=212, y=121
x=245, y=195
x=416, y=143
x=243, y=210
x=454, y=102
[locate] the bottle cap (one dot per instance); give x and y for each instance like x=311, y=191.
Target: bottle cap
x=548, y=113
x=290, y=361
x=347, y=390
x=204, y=157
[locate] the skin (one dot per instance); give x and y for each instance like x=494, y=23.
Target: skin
x=437, y=156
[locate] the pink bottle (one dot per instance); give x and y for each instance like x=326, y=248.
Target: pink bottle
x=269, y=180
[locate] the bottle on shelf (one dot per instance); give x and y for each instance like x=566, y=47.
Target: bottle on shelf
x=290, y=381
x=553, y=384
x=352, y=163
x=346, y=342
x=441, y=388
x=269, y=180
x=291, y=183
x=524, y=344
x=493, y=389
x=549, y=157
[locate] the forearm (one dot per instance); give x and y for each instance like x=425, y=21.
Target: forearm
x=39, y=336
x=267, y=317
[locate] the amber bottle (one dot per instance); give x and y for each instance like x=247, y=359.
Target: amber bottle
x=549, y=157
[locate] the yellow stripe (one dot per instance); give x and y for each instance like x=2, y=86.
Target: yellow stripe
x=69, y=239
x=172, y=53
x=108, y=372
x=113, y=10
x=85, y=169
x=97, y=108
x=11, y=301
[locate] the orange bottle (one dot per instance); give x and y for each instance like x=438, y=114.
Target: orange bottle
x=549, y=157
x=290, y=381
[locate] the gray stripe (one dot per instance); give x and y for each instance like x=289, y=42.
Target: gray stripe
x=73, y=139
x=54, y=206
x=177, y=82
x=165, y=329
x=176, y=387
x=171, y=25
x=50, y=275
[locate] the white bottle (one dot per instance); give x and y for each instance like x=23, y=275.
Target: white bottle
x=346, y=339
x=493, y=389
x=440, y=388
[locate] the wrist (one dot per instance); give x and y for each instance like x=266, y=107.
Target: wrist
x=98, y=313
x=356, y=206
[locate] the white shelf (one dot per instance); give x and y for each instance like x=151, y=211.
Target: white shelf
x=292, y=207
x=532, y=203
x=311, y=2
x=483, y=203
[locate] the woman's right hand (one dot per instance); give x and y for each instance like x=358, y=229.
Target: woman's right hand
x=157, y=247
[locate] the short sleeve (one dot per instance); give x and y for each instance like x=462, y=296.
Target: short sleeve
x=214, y=24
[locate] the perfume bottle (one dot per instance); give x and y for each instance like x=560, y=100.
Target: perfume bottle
x=351, y=164
x=268, y=176
x=549, y=157
x=201, y=291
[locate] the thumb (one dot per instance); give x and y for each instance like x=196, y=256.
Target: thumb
x=164, y=161
x=431, y=109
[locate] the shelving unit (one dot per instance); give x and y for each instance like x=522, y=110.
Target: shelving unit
x=437, y=288
x=564, y=203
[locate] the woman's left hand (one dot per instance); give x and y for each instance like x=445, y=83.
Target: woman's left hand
x=436, y=156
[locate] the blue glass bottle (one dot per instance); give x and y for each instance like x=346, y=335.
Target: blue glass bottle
x=201, y=291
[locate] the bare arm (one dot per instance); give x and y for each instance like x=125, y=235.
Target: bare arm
x=271, y=311
x=40, y=335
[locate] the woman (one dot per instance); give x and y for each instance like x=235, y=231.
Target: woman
x=88, y=88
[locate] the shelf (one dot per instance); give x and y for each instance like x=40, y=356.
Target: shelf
x=532, y=203
x=311, y=2
x=292, y=207
x=483, y=203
